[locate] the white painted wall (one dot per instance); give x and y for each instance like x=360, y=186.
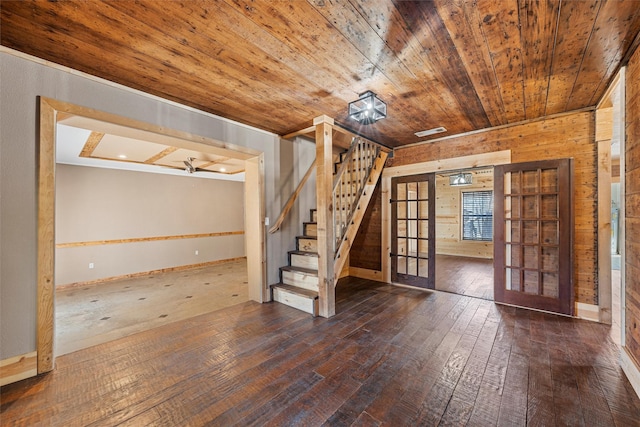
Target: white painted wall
x=22, y=80
x=94, y=204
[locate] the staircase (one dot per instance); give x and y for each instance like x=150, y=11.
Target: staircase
x=355, y=176
x=298, y=285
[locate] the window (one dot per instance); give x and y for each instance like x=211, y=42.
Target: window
x=477, y=215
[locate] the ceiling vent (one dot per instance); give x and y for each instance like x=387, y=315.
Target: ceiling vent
x=430, y=132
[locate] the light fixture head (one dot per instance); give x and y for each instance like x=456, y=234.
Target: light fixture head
x=367, y=109
x=460, y=179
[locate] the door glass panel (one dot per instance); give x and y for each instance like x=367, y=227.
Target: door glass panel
x=549, y=206
x=423, y=209
x=512, y=207
x=412, y=212
x=423, y=246
x=402, y=246
x=531, y=282
x=402, y=191
x=514, y=258
x=531, y=257
x=412, y=228
x=401, y=228
x=530, y=231
x=513, y=279
x=512, y=183
x=423, y=191
x=402, y=265
x=512, y=232
x=550, y=232
x=412, y=190
x=530, y=207
x=412, y=266
x=530, y=181
x=402, y=210
x=423, y=229
x=549, y=180
x=550, y=285
x=423, y=267
x=549, y=258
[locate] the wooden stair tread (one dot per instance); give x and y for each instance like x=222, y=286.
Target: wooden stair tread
x=304, y=253
x=296, y=290
x=302, y=270
x=307, y=237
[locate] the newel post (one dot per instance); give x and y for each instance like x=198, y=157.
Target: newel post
x=324, y=190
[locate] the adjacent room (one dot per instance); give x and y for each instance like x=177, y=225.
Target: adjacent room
x=146, y=234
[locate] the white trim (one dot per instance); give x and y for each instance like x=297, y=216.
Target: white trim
x=451, y=164
x=587, y=311
x=630, y=369
x=119, y=86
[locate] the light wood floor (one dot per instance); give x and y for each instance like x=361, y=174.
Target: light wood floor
x=391, y=356
x=90, y=315
x=465, y=276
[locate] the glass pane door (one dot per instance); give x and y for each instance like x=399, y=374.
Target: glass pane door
x=413, y=230
x=533, y=235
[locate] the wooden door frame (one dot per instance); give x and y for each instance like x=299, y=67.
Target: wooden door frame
x=50, y=112
x=464, y=162
x=613, y=98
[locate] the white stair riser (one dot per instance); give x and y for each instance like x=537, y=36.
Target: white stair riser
x=308, y=245
x=300, y=280
x=304, y=261
x=308, y=305
x=311, y=229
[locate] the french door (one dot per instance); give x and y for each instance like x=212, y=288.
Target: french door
x=533, y=223
x=413, y=230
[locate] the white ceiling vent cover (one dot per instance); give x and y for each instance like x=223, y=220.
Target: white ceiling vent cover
x=430, y=132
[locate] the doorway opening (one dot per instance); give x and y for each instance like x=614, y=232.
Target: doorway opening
x=53, y=112
x=610, y=137
x=464, y=232
x=391, y=175
x=141, y=239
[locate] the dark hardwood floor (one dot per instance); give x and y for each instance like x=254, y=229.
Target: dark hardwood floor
x=465, y=276
x=391, y=356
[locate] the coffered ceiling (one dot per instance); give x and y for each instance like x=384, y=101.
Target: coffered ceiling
x=275, y=65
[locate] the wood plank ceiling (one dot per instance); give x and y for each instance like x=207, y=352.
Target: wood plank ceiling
x=276, y=65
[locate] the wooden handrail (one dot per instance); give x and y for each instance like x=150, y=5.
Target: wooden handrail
x=287, y=207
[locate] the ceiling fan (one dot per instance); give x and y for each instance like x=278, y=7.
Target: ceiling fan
x=189, y=167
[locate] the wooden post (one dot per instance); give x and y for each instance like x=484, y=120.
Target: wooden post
x=324, y=190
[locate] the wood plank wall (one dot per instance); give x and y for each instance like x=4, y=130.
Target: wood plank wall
x=366, y=251
x=572, y=136
x=632, y=200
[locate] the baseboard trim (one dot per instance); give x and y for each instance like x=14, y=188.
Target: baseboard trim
x=18, y=368
x=588, y=312
x=363, y=273
x=631, y=370
x=147, y=273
